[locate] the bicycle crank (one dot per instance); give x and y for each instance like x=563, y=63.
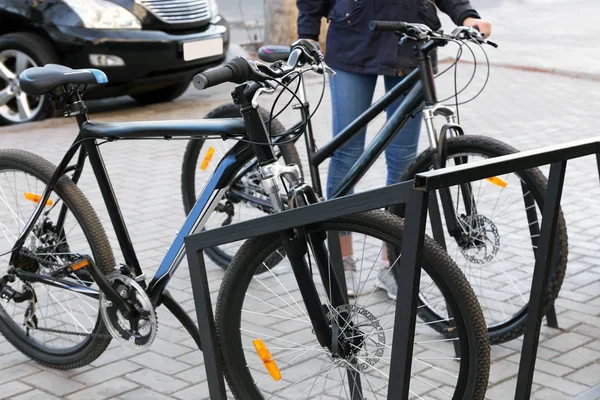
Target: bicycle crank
x=138, y=331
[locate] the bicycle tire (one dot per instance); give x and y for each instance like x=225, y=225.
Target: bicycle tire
x=383, y=226
x=537, y=183
x=85, y=215
x=190, y=162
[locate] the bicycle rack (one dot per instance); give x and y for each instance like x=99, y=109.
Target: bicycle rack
x=557, y=157
x=314, y=213
x=418, y=202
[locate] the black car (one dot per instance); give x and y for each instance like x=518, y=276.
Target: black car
x=149, y=49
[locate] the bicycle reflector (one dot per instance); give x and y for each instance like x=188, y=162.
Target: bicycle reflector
x=497, y=181
x=207, y=158
x=36, y=198
x=267, y=359
x=80, y=264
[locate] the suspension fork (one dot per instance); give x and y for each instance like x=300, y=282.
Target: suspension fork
x=452, y=129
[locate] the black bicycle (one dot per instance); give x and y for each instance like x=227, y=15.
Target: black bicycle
x=282, y=335
x=489, y=227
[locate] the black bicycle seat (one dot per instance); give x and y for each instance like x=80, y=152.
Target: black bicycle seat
x=41, y=80
x=274, y=53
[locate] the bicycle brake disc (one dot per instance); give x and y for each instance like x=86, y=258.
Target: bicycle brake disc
x=120, y=327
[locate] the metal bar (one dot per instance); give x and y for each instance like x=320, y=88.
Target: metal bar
x=310, y=214
x=436, y=221
x=598, y=163
x=206, y=322
x=551, y=318
x=436, y=179
x=539, y=285
x=408, y=290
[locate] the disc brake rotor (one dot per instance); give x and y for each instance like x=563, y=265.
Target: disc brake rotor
x=482, y=236
x=364, y=336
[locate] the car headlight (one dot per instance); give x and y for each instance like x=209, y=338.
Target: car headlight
x=214, y=8
x=103, y=14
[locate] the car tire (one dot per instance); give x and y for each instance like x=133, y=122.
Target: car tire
x=161, y=95
x=38, y=52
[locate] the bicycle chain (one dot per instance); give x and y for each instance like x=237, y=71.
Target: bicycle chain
x=100, y=335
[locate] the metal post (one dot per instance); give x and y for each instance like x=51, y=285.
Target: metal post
x=408, y=290
x=539, y=285
x=438, y=235
x=206, y=323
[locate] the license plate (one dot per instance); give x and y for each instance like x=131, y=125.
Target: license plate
x=202, y=49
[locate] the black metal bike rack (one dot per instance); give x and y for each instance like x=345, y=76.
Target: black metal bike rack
x=556, y=157
x=416, y=194
x=311, y=214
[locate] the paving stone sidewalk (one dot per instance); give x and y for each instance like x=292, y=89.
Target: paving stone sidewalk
x=524, y=109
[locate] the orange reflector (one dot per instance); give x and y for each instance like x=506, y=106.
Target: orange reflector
x=80, y=264
x=36, y=198
x=267, y=359
x=207, y=158
x=497, y=181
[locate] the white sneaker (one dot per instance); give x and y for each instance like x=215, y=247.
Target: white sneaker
x=387, y=282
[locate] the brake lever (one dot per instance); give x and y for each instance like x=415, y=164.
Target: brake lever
x=267, y=89
x=323, y=68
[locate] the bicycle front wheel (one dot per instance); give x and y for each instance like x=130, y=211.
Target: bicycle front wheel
x=270, y=313
x=499, y=222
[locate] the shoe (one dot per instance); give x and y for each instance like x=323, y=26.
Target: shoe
x=387, y=282
x=350, y=274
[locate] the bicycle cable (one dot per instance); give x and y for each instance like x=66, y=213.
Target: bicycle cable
x=486, y=78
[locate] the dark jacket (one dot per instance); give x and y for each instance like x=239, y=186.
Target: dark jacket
x=352, y=47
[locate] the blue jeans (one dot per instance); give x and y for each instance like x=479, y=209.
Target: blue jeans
x=351, y=95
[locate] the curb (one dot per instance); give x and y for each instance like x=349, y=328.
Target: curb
x=588, y=76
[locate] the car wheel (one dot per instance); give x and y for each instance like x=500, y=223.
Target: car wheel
x=19, y=51
x=161, y=95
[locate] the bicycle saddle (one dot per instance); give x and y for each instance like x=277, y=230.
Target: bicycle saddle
x=274, y=53
x=41, y=80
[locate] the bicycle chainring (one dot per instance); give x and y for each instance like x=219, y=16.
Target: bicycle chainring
x=120, y=327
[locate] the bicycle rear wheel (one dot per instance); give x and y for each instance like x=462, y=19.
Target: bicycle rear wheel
x=501, y=233
x=271, y=310
x=245, y=199
x=53, y=324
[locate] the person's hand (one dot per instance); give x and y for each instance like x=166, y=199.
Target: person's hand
x=484, y=27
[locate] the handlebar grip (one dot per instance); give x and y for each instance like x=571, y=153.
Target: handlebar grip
x=388, y=26
x=237, y=70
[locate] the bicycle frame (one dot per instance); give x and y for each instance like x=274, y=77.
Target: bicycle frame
x=417, y=87
x=86, y=144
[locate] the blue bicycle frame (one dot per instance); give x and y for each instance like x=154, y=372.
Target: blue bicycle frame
x=86, y=143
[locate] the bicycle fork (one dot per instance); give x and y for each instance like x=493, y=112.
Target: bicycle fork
x=452, y=129
x=296, y=243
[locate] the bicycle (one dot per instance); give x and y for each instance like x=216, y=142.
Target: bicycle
x=485, y=225
x=49, y=266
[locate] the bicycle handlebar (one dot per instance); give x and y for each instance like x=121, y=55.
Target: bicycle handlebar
x=237, y=70
x=388, y=26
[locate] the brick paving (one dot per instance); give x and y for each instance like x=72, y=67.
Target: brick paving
x=526, y=110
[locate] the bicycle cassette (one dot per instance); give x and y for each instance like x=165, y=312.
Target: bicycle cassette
x=138, y=333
